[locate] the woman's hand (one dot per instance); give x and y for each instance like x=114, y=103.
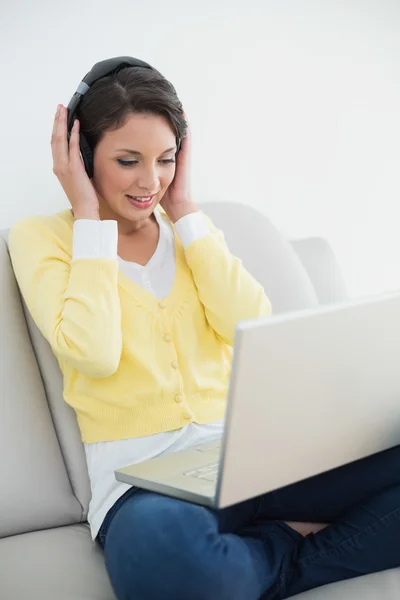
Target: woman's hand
x=177, y=201
x=70, y=170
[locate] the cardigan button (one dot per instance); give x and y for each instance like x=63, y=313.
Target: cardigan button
x=178, y=398
x=188, y=415
x=162, y=304
x=167, y=337
x=174, y=364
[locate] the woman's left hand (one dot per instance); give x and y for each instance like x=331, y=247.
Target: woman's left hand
x=177, y=201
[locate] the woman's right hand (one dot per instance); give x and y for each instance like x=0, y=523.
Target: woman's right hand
x=70, y=170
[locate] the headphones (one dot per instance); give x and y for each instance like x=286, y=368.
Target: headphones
x=99, y=70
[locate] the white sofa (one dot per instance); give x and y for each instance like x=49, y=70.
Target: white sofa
x=46, y=552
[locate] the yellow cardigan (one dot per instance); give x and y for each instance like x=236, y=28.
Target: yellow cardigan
x=133, y=365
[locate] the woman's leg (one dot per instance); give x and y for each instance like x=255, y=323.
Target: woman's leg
x=364, y=540
x=159, y=547
x=362, y=500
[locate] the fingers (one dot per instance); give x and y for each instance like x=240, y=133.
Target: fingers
x=61, y=136
x=54, y=133
x=55, y=123
x=59, y=142
x=74, y=149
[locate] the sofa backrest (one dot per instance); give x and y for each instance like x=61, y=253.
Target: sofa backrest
x=35, y=490
x=42, y=460
x=295, y=274
x=266, y=254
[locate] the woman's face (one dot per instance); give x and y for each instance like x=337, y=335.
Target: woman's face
x=133, y=167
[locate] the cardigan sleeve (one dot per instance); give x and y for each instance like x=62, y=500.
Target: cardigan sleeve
x=226, y=289
x=74, y=302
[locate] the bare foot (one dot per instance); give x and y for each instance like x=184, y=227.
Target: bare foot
x=306, y=528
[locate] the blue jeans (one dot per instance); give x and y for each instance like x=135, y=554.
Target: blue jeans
x=161, y=548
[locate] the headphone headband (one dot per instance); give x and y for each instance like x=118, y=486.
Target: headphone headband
x=98, y=71
x=112, y=65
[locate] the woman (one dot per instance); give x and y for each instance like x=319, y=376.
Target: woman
x=139, y=305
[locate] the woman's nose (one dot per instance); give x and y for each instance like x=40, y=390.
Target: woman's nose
x=148, y=179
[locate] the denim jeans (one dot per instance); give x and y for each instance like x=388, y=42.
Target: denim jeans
x=161, y=548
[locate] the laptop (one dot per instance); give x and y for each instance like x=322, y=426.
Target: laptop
x=309, y=391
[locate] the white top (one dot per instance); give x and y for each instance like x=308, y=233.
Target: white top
x=98, y=239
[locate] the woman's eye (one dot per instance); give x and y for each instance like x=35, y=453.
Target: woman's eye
x=131, y=163
x=127, y=163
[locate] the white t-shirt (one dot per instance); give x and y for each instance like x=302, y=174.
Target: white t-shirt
x=97, y=239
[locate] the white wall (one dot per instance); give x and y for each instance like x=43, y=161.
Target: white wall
x=294, y=106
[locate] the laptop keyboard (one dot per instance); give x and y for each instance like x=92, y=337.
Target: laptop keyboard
x=208, y=472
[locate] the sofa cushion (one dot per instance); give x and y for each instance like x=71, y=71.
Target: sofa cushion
x=58, y=564
x=64, y=417
x=35, y=489
x=321, y=264
x=266, y=254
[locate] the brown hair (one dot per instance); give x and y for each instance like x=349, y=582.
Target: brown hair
x=109, y=101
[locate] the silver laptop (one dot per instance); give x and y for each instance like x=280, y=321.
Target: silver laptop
x=309, y=391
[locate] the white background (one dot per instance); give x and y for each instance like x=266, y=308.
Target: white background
x=294, y=107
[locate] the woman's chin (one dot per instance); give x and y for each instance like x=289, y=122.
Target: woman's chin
x=133, y=214
x=126, y=210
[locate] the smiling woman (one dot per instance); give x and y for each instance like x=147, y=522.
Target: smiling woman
x=127, y=179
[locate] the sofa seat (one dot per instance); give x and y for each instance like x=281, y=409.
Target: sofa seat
x=54, y=564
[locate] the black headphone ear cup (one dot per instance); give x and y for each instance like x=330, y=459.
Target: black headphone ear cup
x=87, y=154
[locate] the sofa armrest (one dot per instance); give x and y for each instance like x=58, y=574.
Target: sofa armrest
x=322, y=267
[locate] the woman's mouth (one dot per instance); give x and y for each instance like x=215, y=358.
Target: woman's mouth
x=141, y=201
